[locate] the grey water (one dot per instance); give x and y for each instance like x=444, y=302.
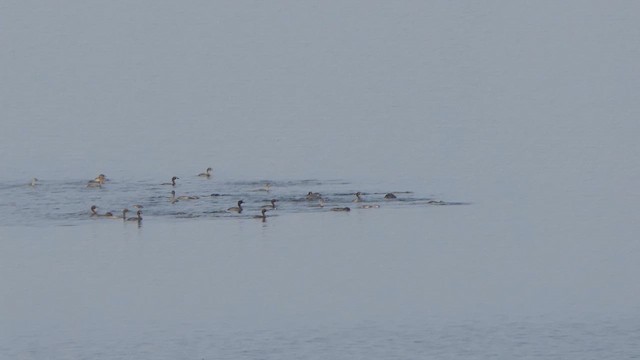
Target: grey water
x=507, y=130
x=46, y=203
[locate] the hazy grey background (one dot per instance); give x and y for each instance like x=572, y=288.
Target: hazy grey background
x=527, y=109
x=509, y=95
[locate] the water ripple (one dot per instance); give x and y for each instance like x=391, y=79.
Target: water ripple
x=53, y=202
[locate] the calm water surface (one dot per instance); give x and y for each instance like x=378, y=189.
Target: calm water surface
x=400, y=281
x=509, y=131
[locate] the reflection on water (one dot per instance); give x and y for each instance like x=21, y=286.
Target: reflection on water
x=52, y=202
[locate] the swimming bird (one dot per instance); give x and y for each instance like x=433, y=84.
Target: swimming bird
x=340, y=209
x=173, y=181
x=263, y=216
x=207, y=173
x=97, y=182
x=183, y=197
x=124, y=214
x=390, y=196
x=272, y=206
x=95, y=213
x=313, y=196
x=137, y=218
x=109, y=215
x=238, y=208
x=33, y=182
x=358, y=198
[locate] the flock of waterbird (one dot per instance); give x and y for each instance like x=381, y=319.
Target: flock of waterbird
x=101, y=179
